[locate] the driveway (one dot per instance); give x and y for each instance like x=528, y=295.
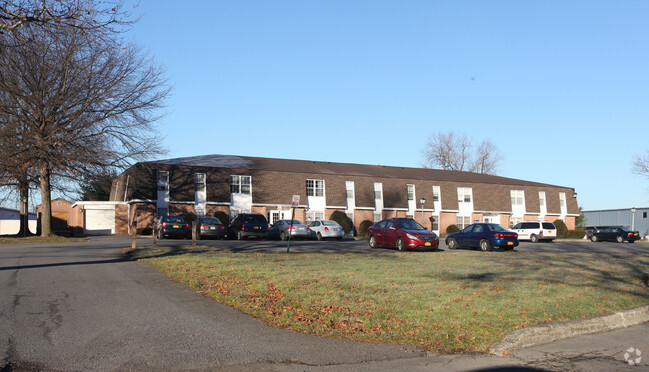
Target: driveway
x=83, y=307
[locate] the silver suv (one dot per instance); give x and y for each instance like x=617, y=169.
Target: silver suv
x=535, y=231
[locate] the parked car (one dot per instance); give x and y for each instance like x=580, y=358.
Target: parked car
x=618, y=234
x=402, y=233
x=281, y=229
x=484, y=236
x=172, y=226
x=246, y=225
x=535, y=231
x=323, y=229
x=590, y=230
x=209, y=227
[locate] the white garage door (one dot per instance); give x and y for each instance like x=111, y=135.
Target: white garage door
x=99, y=221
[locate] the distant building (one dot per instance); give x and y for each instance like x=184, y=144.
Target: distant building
x=633, y=218
x=203, y=185
x=10, y=221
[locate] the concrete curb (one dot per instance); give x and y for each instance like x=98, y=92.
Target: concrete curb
x=545, y=333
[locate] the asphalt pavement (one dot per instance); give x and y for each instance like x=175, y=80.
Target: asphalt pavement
x=82, y=306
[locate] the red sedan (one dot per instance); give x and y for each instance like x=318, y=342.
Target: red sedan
x=402, y=233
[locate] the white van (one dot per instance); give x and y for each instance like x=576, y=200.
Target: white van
x=535, y=231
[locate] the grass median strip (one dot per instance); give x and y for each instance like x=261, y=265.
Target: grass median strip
x=441, y=301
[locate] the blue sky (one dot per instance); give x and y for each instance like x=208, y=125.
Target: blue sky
x=560, y=87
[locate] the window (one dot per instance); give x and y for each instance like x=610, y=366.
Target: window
x=435, y=225
x=163, y=212
x=162, y=188
x=515, y=220
x=240, y=184
x=518, y=197
x=200, y=212
x=562, y=199
x=312, y=216
x=464, y=194
x=411, y=192
x=377, y=217
x=163, y=176
x=542, y=198
x=436, y=192
x=314, y=187
x=463, y=222
x=349, y=189
x=199, y=181
x=378, y=188
x=644, y=214
x=58, y=202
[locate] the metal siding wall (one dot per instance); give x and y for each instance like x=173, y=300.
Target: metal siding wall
x=619, y=217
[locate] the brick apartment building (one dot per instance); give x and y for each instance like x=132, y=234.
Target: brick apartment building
x=206, y=184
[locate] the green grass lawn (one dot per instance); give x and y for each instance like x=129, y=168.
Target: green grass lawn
x=441, y=301
x=10, y=239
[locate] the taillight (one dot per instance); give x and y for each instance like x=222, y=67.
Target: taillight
x=203, y=226
x=164, y=224
x=541, y=232
x=291, y=227
x=326, y=228
x=187, y=226
x=221, y=226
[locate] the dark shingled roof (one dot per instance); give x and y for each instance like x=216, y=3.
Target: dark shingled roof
x=321, y=167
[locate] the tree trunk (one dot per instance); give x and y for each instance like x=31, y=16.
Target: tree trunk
x=46, y=200
x=23, y=187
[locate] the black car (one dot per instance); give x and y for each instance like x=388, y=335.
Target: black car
x=209, y=227
x=172, y=226
x=618, y=234
x=248, y=224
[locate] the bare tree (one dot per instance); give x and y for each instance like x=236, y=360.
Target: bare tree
x=14, y=14
x=81, y=101
x=641, y=165
x=452, y=151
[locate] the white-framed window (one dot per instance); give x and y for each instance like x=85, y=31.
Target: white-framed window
x=463, y=221
x=518, y=197
x=562, y=199
x=199, y=211
x=515, y=220
x=378, y=191
x=377, y=217
x=464, y=194
x=312, y=216
x=314, y=187
x=411, y=192
x=240, y=184
x=349, y=189
x=163, y=177
x=199, y=181
x=542, y=199
x=436, y=193
x=435, y=225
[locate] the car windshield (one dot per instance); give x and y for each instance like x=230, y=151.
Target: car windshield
x=409, y=225
x=210, y=221
x=330, y=223
x=174, y=219
x=495, y=227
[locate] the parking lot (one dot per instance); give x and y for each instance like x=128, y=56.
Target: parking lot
x=349, y=245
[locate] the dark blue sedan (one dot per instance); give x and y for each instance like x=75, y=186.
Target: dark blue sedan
x=484, y=236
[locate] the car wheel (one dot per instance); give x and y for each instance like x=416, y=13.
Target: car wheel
x=452, y=244
x=239, y=235
x=372, y=241
x=534, y=238
x=484, y=245
x=593, y=238
x=619, y=239
x=400, y=244
x=282, y=235
x=319, y=236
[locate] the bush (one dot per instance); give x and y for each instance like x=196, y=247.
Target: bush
x=342, y=219
x=189, y=218
x=562, y=229
x=452, y=229
x=576, y=234
x=223, y=217
x=362, y=229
